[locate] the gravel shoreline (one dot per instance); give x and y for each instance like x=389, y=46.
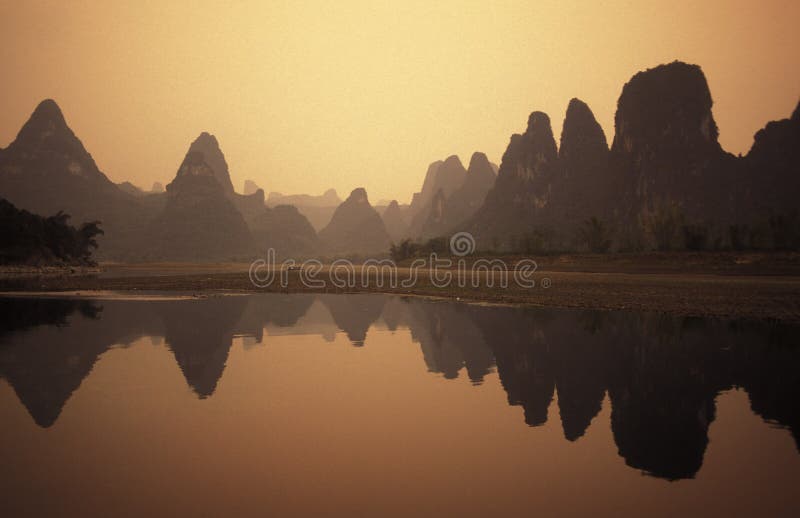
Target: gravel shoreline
x=762, y=297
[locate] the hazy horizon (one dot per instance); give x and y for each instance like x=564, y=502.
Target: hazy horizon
x=306, y=98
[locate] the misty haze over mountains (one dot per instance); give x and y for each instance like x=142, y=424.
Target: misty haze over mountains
x=664, y=183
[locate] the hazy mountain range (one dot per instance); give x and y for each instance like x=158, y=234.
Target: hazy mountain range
x=664, y=182
x=318, y=209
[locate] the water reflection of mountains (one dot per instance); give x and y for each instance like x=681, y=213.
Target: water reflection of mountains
x=662, y=374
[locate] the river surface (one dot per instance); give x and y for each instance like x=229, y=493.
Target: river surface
x=374, y=405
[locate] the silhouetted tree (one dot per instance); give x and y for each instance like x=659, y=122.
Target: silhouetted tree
x=596, y=236
x=695, y=237
x=665, y=224
x=785, y=230
x=29, y=238
x=738, y=235
x=406, y=249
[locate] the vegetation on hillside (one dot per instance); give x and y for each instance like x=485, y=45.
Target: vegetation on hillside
x=37, y=240
x=595, y=235
x=408, y=249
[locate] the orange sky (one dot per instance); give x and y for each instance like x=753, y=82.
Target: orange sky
x=309, y=95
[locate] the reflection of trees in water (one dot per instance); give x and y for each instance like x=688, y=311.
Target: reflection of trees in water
x=17, y=314
x=662, y=374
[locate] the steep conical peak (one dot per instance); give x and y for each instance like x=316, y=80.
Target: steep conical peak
x=428, y=189
x=667, y=107
x=46, y=122
x=207, y=145
x=359, y=195
x=432, y=168
x=195, y=159
x=453, y=161
x=394, y=221
x=479, y=179
x=450, y=176
x=45, y=145
x=581, y=132
x=479, y=163
x=355, y=226
x=465, y=200
x=49, y=111
x=539, y=135
x=205, y=141
x=193, y=165
x=539, y=124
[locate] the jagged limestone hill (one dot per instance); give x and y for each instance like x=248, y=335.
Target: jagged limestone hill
x=355, y=227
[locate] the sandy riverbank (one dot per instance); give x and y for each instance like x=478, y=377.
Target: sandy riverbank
x=708, y=288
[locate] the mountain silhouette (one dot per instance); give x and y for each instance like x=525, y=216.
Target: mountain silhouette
x=451, y=212
x=441, y=181
x=421, y=199
x=661, y=374
x=355, y=227
x=394, y=221
x=583, y=155
x=208, y=146
x=286, y=230
x=355, y=314
x=46, y=169
x=664, y=183
x=250, y=187
x=317, y=209
x=199, y=220
x=200, y=335
x=522, y=190
x=49, y=346
x=449, y=339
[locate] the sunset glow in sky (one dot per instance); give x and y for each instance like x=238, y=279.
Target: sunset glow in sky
x=304, y=96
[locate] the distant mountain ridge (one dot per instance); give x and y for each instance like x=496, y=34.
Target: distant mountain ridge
x=327, y=199
x=318, y=209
